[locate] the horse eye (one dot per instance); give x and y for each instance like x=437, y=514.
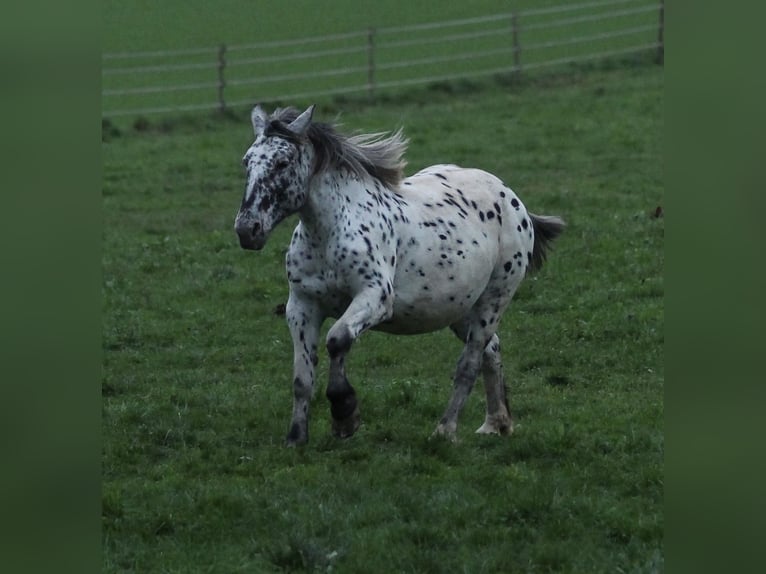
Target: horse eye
x=281, y=164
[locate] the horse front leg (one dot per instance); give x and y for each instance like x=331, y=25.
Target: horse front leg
x=304, y=320
x=366, y=310
x=344, y=407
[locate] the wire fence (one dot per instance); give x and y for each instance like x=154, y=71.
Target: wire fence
x=377, y=59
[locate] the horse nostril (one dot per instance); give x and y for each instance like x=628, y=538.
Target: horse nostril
x=256, y=228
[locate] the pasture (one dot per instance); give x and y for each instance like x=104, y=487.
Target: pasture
x=197, y=359
x=200, y=56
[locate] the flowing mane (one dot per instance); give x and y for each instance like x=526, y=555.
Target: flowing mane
x=379, y=155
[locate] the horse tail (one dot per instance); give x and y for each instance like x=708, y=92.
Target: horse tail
x=547, y=228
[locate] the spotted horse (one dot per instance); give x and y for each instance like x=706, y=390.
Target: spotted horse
x=445, y=247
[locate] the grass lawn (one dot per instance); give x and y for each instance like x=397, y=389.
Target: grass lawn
x=198, y=363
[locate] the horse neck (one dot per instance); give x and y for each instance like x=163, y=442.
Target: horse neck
x=329, y=197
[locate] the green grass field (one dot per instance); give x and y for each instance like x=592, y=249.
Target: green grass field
x=341, y=46
x=197, y=364
x=174, y=24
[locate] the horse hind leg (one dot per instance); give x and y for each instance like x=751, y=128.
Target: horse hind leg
x=498, y=419
x=468, y=367
x=465, y=376
x=481, y=354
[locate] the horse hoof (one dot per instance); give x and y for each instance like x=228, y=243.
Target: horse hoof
x=445, y=432
x=499, y=427
x=294, y=443
x=297, y=436
x=345, y=428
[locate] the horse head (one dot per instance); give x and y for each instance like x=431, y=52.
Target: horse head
x=278, y=165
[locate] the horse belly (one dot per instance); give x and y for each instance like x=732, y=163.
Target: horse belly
x=429, y=300
x=423, y=317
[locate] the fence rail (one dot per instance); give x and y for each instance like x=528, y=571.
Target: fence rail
x=229, y=76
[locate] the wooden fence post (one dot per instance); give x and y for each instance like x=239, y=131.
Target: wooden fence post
x=661, y=35
x=371, y=63
x=516, y=43
x=221, y=79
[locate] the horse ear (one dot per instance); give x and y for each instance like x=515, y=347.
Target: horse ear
x=259, y=119
x=300, y=125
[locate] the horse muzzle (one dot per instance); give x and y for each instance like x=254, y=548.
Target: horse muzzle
x=251, y=235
